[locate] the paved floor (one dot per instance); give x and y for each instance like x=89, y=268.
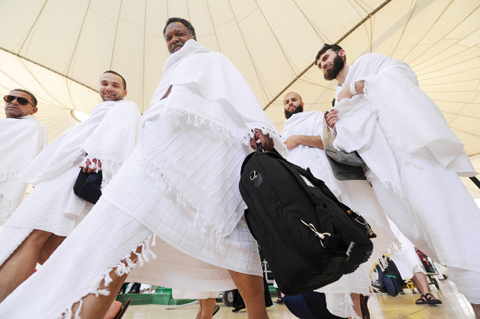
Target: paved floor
x=381, y=307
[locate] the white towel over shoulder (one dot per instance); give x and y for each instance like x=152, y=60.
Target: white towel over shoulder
x=21, y=139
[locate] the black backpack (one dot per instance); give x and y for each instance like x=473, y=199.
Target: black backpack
x=309, y=238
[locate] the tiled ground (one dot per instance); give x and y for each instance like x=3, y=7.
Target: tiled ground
x=382, y=307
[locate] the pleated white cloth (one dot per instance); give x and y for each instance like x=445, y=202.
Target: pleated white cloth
x=208, y=93
x=21, y=140
x=179, y=188
x=414, y=159
x=358, y=195
x=109, y=134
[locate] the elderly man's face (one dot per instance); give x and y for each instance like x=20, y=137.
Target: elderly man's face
x=176, y=34
x=14, y=109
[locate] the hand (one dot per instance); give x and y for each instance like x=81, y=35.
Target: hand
x=332, y=118
x=344, y=93
x=292, y=142
x=95, y=162
x=267, y=141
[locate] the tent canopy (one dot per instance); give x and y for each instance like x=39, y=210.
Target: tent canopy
x=58, y=49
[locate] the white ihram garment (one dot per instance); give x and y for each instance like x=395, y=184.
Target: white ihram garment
x=414, y=159
x=358, y=195
x=21, y=139
x=180, y=184
x=406, y=259
x=109, y=134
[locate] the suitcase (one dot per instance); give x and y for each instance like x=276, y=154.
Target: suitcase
x=308, y=237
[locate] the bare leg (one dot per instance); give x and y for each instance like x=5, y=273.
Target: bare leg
x=476, y=309
x=251, y=289
x=49, y=247
x=199, y=313
x=356, y=304
x=21, y=264
x=114, y=309
x=420, y=280
x=97, y=307
x=207, y=306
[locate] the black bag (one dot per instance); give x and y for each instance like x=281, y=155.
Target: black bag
x=88, y=186
x=309, y=238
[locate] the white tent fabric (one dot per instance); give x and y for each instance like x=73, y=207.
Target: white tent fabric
x=58, y=49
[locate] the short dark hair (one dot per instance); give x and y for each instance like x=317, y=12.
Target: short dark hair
x=34, y=99
x=335, y=48
x=116, y=73
x=186, y=23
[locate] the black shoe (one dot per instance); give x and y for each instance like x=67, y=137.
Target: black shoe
x=238, y=309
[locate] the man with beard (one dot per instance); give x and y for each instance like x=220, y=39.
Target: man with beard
x=176, y=197
x=52, y=211
x=22, y=137
x=302, y=134
x=413, y=159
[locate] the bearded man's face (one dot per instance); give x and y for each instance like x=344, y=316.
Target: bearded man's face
x=289, y=114
x=331, y=63
x=332, y=72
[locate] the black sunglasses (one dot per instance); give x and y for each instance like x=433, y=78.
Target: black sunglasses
x=20, y=100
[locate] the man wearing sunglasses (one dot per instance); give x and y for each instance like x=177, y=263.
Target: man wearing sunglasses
x=175, y=200
x=52, y=211
x=22, y=137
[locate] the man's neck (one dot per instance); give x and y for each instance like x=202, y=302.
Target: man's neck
x=342, y=75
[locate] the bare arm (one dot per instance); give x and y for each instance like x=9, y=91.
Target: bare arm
x=312, y=141
x=345, y=92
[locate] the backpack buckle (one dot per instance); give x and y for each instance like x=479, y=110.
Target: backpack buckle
x=349, y=250
x=321, y=236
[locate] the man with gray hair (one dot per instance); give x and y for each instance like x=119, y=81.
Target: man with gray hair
x=176, y=197
x=22, y=138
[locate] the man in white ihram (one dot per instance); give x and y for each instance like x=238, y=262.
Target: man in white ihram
x=52, y=211
x=302, y=135
x=176, y=196
x=413, y=159
x=22, y=137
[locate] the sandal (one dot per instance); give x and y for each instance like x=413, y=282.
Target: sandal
x=422, y=300
x=215, y=309
x=239, y=308
x=431, y=300
x=122, y=311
